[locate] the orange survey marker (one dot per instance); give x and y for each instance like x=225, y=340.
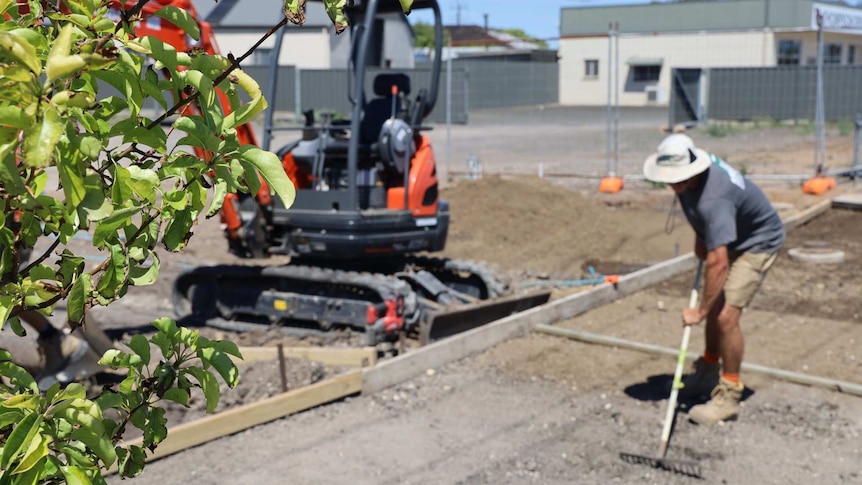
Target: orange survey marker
x=611, y=185
x=612, y=279
x=819, y=185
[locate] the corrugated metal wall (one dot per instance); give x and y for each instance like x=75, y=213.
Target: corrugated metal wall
x=783, y=93
x=501, y=83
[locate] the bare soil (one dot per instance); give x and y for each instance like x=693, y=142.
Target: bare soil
x=542, y=409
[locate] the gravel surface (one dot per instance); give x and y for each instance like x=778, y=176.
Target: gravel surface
x=542, y=409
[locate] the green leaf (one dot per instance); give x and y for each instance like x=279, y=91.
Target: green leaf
x=217, y=199
x=167, y=326
x=15, y=117
x=176, y=199
x=71, y=392
x=227, y=347
x=145, y=275
x=9, y=175
x=335, y=10
x=78, y=296
x=121, y=191
x=94, y=438
x=60, y=63
x=406, y=5
x=18, y=376
x=181, y=19
x=7, y=302
x=73, y=183
x=155, y=138
x=222, y=363
x=36, y=451
x=178, y=231
x=164, y=53
x=91, y=147
x=40, y=141
x=256, y=104
x=22, y=401
x=109, y=400
x=20, y=51
x=10, y=417
x=209, y=386
x=15, y=324
x=20, y=438
x=141, y=346
x=75, y=475
x=177, y=395
x=76, y=457
x=113, y=279
x=144, y=182
x=31, y=476
x=199, y=134
x=268, y=164
x=133, y=461
x=156, y=429
x=106, y=229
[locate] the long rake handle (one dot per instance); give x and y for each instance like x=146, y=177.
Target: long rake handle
x=677, y=374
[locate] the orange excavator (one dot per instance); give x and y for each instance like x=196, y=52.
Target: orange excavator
x=367, y=205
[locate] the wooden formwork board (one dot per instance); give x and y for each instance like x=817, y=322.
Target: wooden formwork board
x=805, y=216
x=848, y=201
x=234, y=420
x=335, y=357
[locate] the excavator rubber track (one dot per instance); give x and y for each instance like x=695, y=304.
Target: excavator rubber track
x=295, y=295
x=383, y=306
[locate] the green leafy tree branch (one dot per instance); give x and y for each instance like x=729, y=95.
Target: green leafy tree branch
x=131, y=184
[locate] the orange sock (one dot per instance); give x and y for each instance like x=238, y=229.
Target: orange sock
x=711, y=358
x=731, y=378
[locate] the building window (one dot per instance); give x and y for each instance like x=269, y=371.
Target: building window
x=851, y=55
x=788, y=52
x=591, y=68
x=646, y=74
x=832, y=54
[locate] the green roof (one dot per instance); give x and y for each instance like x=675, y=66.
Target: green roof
x=687, y=16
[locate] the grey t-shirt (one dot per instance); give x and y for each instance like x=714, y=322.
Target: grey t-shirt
x=727, y=209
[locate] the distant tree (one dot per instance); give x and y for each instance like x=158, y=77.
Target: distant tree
x=424, y=35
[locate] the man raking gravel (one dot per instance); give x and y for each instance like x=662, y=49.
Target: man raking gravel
x=738, y=234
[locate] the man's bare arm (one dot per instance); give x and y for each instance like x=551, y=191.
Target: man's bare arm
x=717, y=266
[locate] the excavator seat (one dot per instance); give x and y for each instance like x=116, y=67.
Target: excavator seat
x=379, y=109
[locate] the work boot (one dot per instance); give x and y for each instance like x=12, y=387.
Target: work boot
x=65, y=359
x=701, y=379
x=723, y=406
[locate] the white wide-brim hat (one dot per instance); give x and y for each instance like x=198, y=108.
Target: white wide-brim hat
x=676, y=160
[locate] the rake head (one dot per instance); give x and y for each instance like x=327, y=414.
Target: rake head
x=682, y=467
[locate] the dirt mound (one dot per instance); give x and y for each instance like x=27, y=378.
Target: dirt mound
x=533, y=226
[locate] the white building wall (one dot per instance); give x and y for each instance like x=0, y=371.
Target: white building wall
x=704, y=49
x=304, y=49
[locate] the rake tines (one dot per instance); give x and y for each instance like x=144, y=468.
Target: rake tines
x=682, y=467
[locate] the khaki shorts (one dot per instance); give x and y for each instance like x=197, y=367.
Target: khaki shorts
x=746, y=274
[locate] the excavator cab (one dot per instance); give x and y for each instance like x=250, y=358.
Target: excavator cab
x=367, y=186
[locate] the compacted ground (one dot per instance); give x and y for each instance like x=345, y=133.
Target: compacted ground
x=543, y=409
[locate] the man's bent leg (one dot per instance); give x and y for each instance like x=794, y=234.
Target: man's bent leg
x=731, y=339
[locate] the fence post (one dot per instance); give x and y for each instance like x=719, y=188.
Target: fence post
x=858, y=139
x=297, y=92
